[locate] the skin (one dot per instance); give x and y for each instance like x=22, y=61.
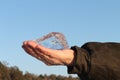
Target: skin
x=49, y=56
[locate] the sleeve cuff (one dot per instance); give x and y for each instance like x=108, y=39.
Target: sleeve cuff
x=82, y=61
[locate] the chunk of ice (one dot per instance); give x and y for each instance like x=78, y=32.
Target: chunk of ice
x=53, y=40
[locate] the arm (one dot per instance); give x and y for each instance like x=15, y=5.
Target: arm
x=97, y=61
x=92, y=61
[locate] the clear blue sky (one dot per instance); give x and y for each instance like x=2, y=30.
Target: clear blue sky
x=80, y=20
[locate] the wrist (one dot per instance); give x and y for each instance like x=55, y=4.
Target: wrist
x=70, y=60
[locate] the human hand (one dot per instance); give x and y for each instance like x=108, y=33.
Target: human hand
x=49, y=56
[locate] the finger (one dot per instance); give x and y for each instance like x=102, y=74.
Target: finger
x=28, y=49
x=45, y=59
x=33, y=45
x=46, y=51
x=38, y=49
x=25, y=42
x=25, y=47
x=42, y=48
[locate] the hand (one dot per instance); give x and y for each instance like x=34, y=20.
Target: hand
x=49, y=56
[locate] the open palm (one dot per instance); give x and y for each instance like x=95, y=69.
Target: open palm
x=49, y=56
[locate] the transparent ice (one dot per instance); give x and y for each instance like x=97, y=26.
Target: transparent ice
x=53, y=40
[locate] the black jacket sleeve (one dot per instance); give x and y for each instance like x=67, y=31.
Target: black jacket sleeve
x=97, y=61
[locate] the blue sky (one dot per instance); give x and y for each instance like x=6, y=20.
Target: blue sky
x=79, y=20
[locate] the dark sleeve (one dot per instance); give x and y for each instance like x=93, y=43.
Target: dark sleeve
x=97, y=61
